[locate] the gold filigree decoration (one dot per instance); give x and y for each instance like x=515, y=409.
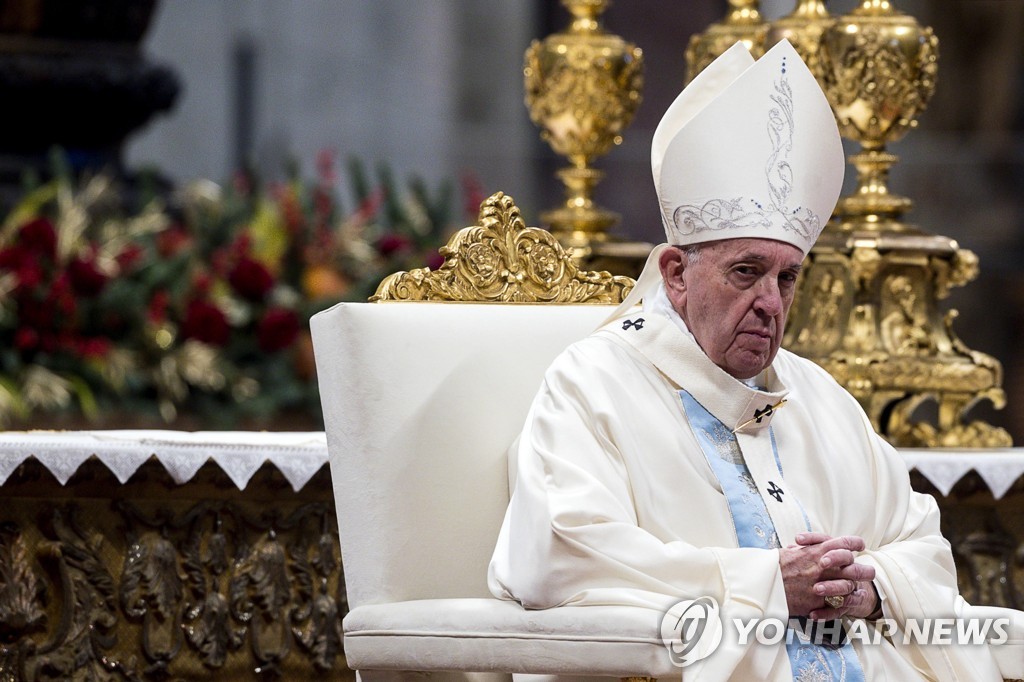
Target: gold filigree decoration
x=500, y=260
x=742, y=23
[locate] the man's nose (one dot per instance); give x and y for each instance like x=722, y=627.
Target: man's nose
x=769, y=297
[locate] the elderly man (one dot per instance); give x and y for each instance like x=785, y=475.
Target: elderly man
x=679, y=453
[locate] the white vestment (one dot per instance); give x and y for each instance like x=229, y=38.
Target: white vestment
x=614, y=501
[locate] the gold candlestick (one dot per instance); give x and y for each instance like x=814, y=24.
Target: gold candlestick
x=583, y=86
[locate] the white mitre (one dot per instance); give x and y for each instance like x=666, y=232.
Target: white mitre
x=747, y=149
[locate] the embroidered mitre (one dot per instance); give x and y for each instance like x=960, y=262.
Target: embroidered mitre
x=748, y=149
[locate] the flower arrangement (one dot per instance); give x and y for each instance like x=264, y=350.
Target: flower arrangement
x=193, y=309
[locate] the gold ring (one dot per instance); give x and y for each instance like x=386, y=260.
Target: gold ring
x=836, y=601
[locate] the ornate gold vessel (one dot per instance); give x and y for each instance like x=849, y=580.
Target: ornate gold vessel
x=743, y=22
x=583, y=87
x=803, y=28
x=879, y=68
x=867, y=308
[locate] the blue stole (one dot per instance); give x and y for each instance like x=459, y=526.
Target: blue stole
x=754, y=528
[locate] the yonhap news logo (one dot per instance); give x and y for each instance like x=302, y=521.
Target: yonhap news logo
x=692, y=630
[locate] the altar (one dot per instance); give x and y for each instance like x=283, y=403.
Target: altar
x=215, y=554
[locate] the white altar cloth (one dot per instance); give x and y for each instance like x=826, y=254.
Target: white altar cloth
x=299, y=455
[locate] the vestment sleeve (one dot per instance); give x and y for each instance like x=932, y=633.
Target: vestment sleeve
x=915, y=573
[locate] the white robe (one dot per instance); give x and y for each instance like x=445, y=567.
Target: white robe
x=615, y=503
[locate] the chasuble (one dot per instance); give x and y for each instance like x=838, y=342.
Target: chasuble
x=646, y=475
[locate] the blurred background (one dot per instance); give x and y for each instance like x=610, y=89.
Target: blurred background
x=432, y=91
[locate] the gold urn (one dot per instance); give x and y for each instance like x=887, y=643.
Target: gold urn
x=583, y=87
x=879, y=71
x=742, y=23
x=867, y=304
x=803, y=28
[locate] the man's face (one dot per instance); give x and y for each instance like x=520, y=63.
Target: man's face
x=734, y=298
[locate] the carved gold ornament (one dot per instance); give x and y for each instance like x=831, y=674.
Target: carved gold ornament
x=501, y=260
x=583, y=87
x=803, y=28
x=742, y=23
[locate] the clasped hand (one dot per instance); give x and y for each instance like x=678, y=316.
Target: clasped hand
x=820, y=566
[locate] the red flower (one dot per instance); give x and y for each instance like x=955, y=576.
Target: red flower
x=205, y=322
x=391, y=244
x=251, y=279
x=156, y=312
x=277, y=330
x=201, y=282
x=128, y=257
x=39, y=237
x=12, y=257
x=29, y=273
x=434, y=260
x=95, y=347
x=86, y=278
x=172, y=241
x=62, y=296
x=26, y=338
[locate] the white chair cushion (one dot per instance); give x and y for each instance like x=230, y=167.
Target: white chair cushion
x=491, y=635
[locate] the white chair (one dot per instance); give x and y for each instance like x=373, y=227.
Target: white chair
x=421, y=401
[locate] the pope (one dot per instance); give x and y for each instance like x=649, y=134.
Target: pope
x=678, y=452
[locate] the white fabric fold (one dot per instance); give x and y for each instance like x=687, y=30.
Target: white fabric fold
x=614, y=502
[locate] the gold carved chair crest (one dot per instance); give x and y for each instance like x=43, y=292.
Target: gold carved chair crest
x=501, y=260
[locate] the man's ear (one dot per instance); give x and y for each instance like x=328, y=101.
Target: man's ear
x=672, y=263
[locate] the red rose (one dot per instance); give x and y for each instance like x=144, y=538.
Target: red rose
x=172, y=241
x=277, y=329
x=156, y=311
x=12, y=257
x=434, y=260
x=86, y=278
x=62, y=296
x=391, y=244
x=95, y=347
x=128, y=257
x=39, y=237
x=28, y=273
x=251, y=279
x=26, y=338
x=205, y=322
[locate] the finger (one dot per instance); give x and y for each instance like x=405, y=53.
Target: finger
x=833, y=588
x=853, y=601
x=806, y=539
x=854, y=571
x=854, y=543
x=837, y=558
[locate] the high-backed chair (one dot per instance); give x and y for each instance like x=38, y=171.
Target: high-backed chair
x=423, y=391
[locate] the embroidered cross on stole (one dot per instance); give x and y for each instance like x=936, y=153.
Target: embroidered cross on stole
x=754, y=528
